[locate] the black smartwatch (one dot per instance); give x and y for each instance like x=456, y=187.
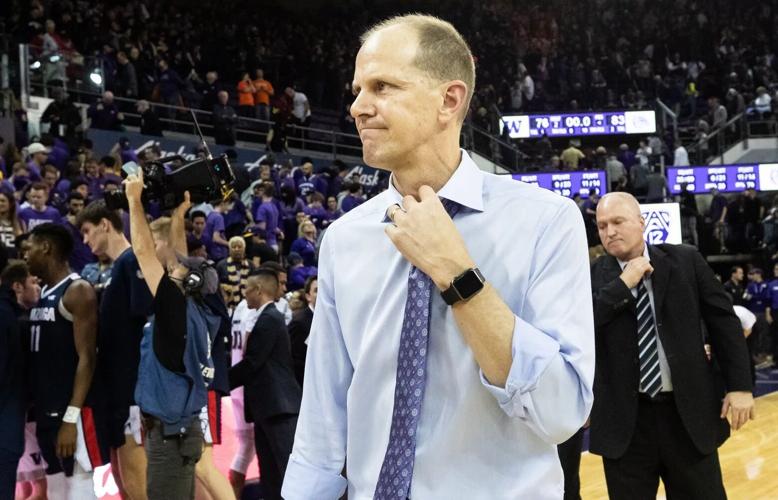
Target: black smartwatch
x=464, y=286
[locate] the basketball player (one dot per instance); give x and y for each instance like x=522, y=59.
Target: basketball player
x=63, y=332
x=31, y=469
x=125, y=305
x=243, y=320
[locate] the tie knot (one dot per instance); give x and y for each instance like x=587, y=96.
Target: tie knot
x=451, y=207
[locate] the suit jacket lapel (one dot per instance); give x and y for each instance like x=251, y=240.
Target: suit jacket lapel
x=660, y=277
x=611, y=269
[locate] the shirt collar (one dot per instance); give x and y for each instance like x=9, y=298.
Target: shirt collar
x=465, y=186
x=623, y=264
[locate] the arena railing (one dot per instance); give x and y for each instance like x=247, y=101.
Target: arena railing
x=83, y=88
x=254, y=130
x=178, y=119
x=717, y=142
x=666, y=113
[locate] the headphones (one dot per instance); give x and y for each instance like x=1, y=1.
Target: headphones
x=194, y=281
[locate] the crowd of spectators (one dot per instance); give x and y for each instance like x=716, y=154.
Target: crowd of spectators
x=278, y=213
x=536, y=55
x=707, y=60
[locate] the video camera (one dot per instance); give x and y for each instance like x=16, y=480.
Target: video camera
x=207, y=179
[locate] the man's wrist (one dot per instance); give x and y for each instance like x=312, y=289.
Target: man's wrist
x=71, y=415
x=444, y=277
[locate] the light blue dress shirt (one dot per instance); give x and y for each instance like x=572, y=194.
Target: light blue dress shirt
x=474, y=440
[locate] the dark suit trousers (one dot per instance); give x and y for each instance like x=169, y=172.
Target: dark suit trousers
x=661, y=447
x=570, y=458
x=273, y=439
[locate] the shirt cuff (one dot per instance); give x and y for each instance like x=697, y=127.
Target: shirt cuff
x=305, y=482
x=532, y=352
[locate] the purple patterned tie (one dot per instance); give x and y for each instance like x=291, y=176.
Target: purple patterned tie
x=394, y=480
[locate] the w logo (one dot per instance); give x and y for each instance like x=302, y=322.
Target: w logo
x=657, y=226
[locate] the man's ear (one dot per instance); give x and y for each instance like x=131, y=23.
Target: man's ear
x=454, y=100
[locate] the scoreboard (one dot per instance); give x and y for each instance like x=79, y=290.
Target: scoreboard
x=579, y=124
x=567, y=183
x=725, y=178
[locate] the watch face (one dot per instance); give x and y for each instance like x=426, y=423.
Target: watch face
x=468, y=284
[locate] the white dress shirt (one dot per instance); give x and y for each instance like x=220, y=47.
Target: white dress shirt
x=664, y=367
x=474, y=440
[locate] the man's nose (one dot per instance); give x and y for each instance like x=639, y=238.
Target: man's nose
x=362, y=105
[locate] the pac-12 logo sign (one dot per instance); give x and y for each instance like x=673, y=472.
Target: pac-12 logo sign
x=657, y=226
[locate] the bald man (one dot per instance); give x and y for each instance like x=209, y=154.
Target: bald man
x=660, y=405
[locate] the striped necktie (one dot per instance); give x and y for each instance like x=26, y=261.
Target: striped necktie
x=650, y=373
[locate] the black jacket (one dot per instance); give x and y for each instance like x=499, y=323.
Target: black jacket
x=266, y=371
x=686, y=293
x=12, y=389
x=299, y=329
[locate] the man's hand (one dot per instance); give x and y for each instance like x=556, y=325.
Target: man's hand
x=635, y=270
x=184, y=206
x=426, y=236
x=66, y=440
x=741, y=406
x=133, y=186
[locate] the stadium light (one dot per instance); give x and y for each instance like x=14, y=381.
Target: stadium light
x=96, y=77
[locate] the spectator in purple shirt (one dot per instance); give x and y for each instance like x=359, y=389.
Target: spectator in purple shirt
x=96, y=175
x=198, y=219
x=81, y=255
x=304, y=178
x=81, y=187
x=289, y=205
x=51, y=179
x=58, y=151
x=354, y=197
x=213, y=234
x=339, y=173
x=38, y=212
x=266, y=217
x=38, y=156
x=316, y=211
x=305, y=245
x=298, y=272
x=333, y=212
x=126, y=152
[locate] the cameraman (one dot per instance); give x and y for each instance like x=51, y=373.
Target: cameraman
x=176, y=367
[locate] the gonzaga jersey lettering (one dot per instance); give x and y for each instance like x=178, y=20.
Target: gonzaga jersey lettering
x=52, y=349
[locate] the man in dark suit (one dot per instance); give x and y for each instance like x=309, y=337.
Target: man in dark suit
x=658, y=408
x=300, y=328
x=271, y=394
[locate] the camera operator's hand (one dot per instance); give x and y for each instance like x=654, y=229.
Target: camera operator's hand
x=184, y=207
x=133, y=186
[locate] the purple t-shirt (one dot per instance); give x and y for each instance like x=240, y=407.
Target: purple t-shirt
x=268, y=213
x=35, y=171
x=32, y=217
x=318, y=215
x=350, y=202
x=214, y=223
